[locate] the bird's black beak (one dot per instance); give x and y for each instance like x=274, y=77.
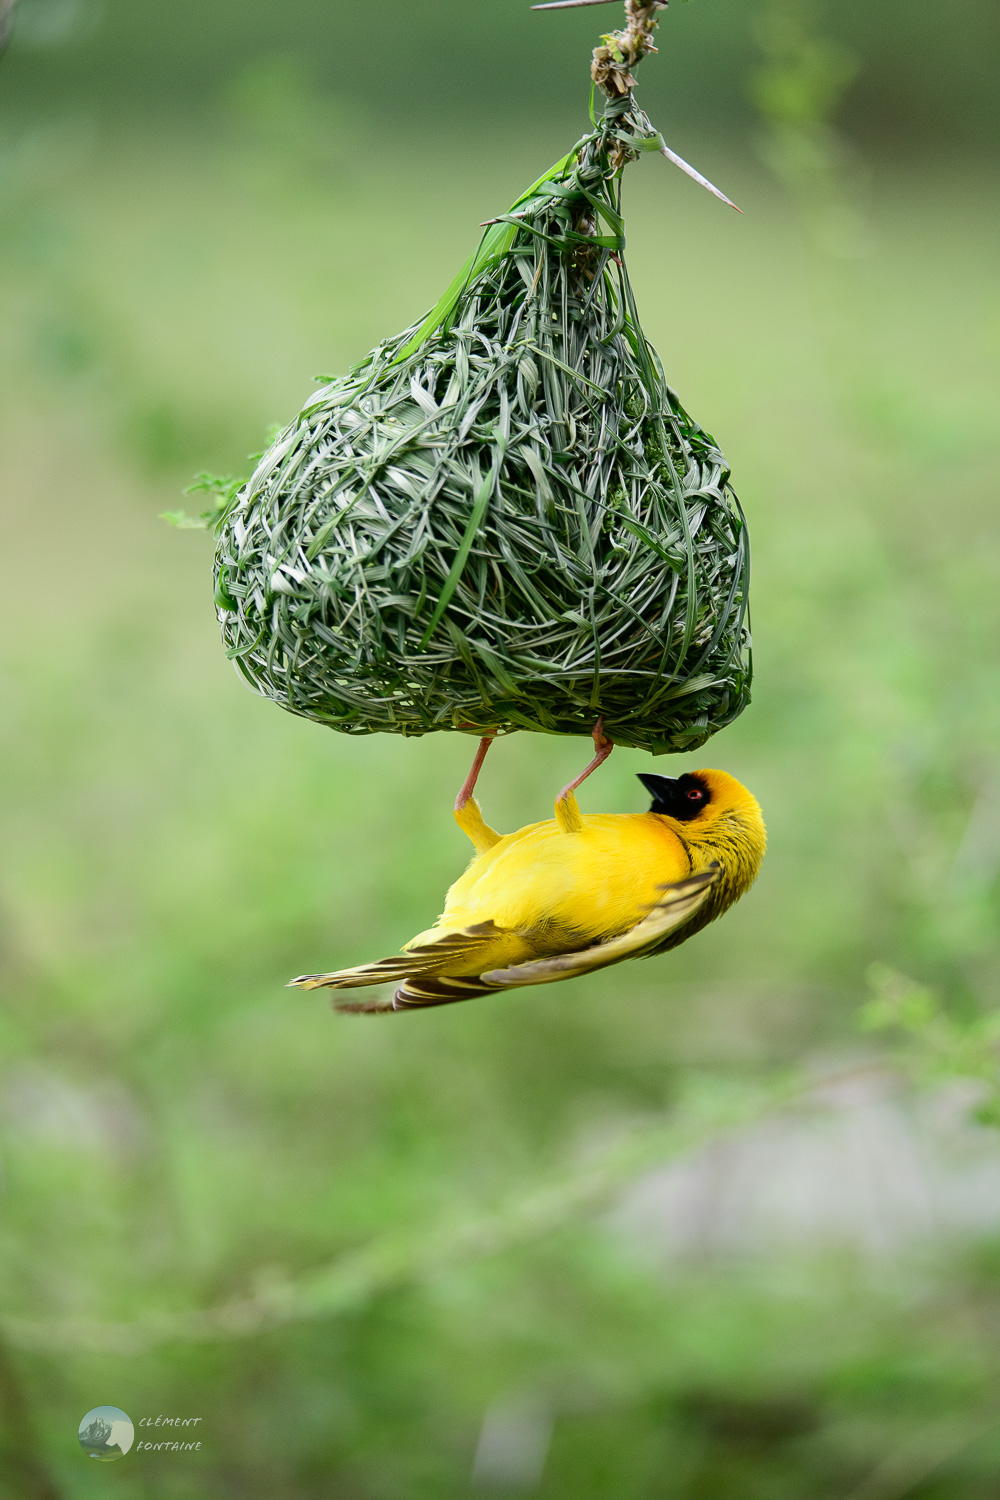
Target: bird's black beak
x=680, y=797
x=665, y=791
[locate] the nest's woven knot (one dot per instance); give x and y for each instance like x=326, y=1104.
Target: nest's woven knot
x=621, y=50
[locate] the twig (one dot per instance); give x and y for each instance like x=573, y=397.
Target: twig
x=353, y=1280
x=6, y=23
x=618, y=54
x=907, y=1468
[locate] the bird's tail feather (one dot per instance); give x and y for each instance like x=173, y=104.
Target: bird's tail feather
x=383, y=971
x=427, y=959
x=364, y=1007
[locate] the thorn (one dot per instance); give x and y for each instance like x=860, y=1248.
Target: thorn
x=686, y=166
x=515, y=213
x=568, y=4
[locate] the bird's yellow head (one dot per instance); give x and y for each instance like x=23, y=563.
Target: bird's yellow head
x=716, y=819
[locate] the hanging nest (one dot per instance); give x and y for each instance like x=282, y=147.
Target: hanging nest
x=503, y=518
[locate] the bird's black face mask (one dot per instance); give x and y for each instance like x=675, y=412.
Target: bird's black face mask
x=680, y=797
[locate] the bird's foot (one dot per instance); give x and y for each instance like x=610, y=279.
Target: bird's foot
x=603, y=748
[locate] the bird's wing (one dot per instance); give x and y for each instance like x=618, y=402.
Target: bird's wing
x=676, y=904
x=417, y=992
x=421, y=984
x=425, y=959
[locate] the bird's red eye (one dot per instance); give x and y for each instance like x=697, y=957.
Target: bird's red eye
x=681, y=797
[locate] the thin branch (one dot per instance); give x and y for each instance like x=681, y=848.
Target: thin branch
x=619, y=53
x=399, y=1261
x=907, y=1468
x=6, y=23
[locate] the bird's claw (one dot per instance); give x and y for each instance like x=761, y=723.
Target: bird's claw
x=601, y=742
x=602, y=749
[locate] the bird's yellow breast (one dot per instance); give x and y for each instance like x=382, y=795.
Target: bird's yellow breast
x=595, y=882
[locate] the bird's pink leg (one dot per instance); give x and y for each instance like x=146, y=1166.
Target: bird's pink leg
x=603, y=746
x=469, y=784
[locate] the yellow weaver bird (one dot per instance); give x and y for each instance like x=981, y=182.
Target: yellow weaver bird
x=575, y=893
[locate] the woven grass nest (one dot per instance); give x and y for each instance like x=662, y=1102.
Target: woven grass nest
x=503, y=518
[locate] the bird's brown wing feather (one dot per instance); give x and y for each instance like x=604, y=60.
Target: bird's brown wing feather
x=417, y=992
x=678, y=902
x=426, y=958
x=421, y=986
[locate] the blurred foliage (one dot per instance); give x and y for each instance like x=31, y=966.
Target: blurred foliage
x=177, y=1130
x=924, y=75
x=220, y=487
x=942, y=1046
x=798, y=89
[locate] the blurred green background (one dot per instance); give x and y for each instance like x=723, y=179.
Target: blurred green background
x=609, y=1240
